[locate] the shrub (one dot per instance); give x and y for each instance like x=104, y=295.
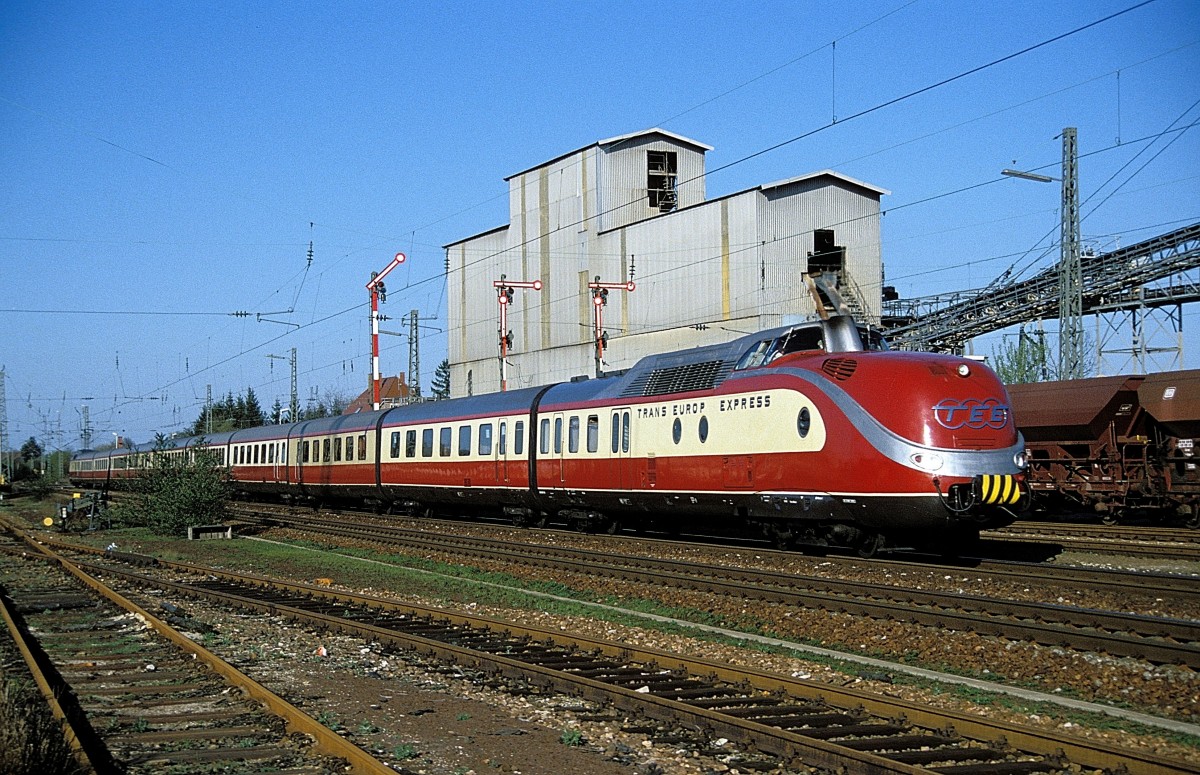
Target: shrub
x=175, y=492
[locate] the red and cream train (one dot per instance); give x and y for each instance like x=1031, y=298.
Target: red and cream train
x=814, y=433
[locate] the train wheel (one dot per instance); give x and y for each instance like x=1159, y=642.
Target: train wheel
x=612, y=526
x=782, y=537
x=870, y=546
x=1194, y=520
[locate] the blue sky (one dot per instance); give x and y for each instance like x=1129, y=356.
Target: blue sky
x=176, y=159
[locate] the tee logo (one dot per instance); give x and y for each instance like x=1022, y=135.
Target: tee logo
x=971, y=413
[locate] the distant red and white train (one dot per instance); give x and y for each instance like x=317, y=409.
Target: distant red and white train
x=814, y=433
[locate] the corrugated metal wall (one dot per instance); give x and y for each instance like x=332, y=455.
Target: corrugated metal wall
x=791, y=214
x=734, y=264
x=623, y=190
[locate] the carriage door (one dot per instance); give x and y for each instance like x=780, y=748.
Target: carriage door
x=559, y=425
x=619, y=430
x=502, y=452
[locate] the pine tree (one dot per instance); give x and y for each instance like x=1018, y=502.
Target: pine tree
x=253, y=416
x=440, y=387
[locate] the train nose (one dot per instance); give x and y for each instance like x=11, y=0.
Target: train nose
x=997, y=489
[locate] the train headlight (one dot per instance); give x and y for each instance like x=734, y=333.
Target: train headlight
x=1021, y=459
x=926, y=461
x=964, y=370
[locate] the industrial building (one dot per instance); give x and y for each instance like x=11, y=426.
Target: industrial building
x=633, y=208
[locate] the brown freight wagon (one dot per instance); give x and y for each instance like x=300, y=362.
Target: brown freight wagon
x=1114, y=446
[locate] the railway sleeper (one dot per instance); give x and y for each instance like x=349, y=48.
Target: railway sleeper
x=1006, y=767
x=880, y=744
x=836, y=733
x=940, y=755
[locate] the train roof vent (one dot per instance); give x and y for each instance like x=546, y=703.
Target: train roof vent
x=679, y=379
x=840, y=369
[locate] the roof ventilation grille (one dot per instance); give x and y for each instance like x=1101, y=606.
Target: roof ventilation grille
x=840, y=369
x=679, y=379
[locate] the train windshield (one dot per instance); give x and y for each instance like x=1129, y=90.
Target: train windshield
x=811, y=338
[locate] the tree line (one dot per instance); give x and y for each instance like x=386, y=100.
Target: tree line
x=233, y=413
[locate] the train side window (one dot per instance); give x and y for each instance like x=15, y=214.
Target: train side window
x=362, y=446
x=337, y=448
x=573, y=435
x=262, y=450
x=464, y=440
x=519, y=438
x=803, y=422
x=349, y=447
x=703, y=429
x=616, y=432
x=593, y=432
x=544, y=432
x=485, y=439
x=446, y=437
x=427, y=442
x=283, y=456
x=677, y=430
x=271, y=453
x=410, y=444
x=558, y=429
x=304, y=452
x=625, y=431
x=254, y=449
x=395, y=449
x=503, y=438
x=325, y=445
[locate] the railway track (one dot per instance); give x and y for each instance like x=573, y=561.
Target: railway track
x=800, y=722
x=139, y=697
x=1143, y=541
x=1155, y=639
x=1091, y=578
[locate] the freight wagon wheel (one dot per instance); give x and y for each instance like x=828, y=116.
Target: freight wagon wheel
x=612, y=526
x=1194, y=520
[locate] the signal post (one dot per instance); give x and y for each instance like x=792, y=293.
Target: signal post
x=504, y=295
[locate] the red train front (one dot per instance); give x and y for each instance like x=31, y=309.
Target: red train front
x=806, y=432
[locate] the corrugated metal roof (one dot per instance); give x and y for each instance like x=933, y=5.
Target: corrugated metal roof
x=485, y=233
x=826, y=173
x=618, y=139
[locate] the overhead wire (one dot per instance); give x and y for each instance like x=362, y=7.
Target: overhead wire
x=865, y=112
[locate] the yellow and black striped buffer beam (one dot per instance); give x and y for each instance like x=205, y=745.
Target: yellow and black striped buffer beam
x=998, y=489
